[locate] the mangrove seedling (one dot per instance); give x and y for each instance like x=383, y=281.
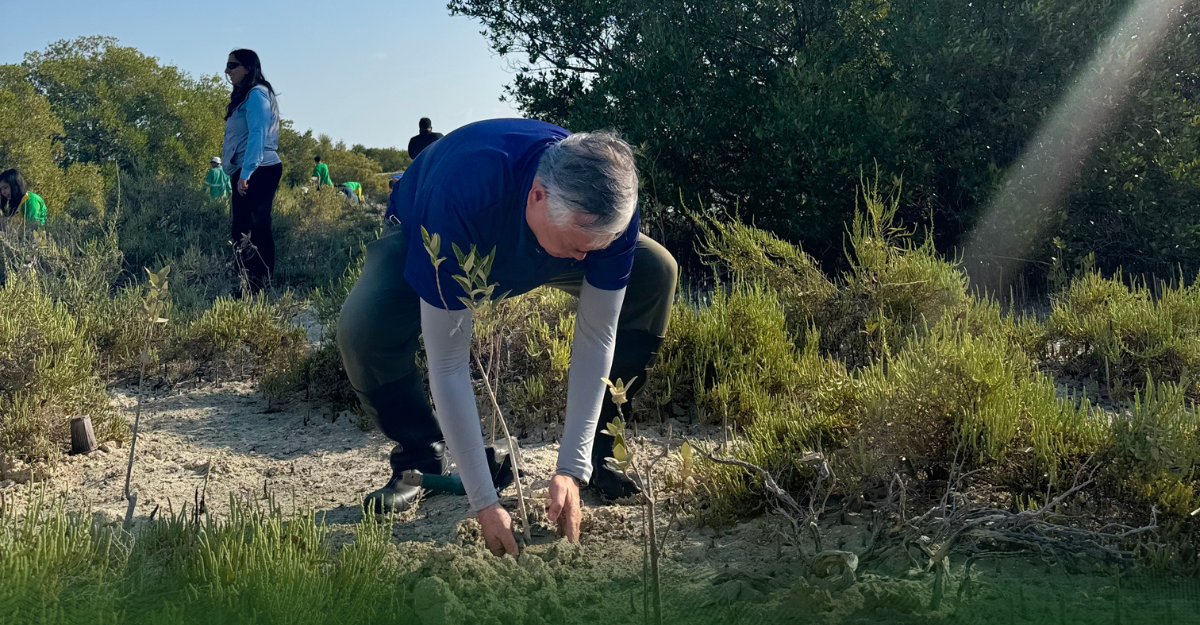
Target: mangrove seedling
x=154, y=305
x=478, y=299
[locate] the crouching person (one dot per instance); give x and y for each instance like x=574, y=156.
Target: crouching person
x=560, y=210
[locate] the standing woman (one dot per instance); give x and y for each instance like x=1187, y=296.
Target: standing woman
x=14, y=199
x=251, y=159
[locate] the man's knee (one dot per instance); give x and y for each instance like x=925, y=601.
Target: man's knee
x=657, y=268
x=355, y=332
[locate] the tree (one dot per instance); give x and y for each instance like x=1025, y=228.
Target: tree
x=29, y=141
x=121, y=107
x=390, y=159
x=296, y=151
x=774, y=108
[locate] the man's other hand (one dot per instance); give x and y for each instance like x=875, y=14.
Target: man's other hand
x=497, y=530
x=563, y=506
x=243, y=186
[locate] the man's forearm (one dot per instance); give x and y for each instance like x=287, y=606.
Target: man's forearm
x=591, y=358
x=449, y=354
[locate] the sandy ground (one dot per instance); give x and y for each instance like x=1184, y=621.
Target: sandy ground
x=303, y=458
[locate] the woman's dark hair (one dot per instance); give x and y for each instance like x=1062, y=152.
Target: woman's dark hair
x=16, y=188
x=254, y=77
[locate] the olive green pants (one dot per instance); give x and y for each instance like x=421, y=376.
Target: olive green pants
x=380, y=325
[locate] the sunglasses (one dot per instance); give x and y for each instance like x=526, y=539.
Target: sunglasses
x=231, y=66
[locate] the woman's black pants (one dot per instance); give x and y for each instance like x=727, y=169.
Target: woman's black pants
x=253, y=242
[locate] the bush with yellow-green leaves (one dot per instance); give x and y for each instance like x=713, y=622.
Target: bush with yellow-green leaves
x=47, y=374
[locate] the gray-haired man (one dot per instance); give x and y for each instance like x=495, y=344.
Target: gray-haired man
x=560, y=210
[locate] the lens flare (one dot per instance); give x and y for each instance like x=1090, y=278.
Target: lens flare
x=996, y=251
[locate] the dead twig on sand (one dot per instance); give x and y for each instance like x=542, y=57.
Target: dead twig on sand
x=788, y=506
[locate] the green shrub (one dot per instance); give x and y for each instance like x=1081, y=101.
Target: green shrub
x=725, y=357
x=47, y=374
x=308, y=209
x=531, y=336
x=1119, y=335
x=749, y=255
x=317, y=236
x=250, y=336
x=1156, y=448
x=820, y=411
x=895, y=289
x=254, y=567
x=162, y=216
x=977, y=398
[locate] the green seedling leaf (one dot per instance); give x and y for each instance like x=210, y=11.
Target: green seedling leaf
x=619, y=452
x=463, y=282
x=614, y=465
x=618, y=389
x=616, y=427
x=433, y=245
x=486, y=267
x=458, y=253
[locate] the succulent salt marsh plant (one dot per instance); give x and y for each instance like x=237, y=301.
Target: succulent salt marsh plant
x=478, y=299
x=154, y=305
x=644, y=473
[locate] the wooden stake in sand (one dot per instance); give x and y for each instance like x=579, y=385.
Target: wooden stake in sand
x=83, y=439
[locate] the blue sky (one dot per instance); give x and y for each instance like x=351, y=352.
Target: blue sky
x=362, y=71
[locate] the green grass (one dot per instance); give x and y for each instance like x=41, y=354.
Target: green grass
x=257, y=567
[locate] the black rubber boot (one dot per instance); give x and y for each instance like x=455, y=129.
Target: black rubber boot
x=402, y=412
x=636, y=351
x=396, y=496
x=500, y=465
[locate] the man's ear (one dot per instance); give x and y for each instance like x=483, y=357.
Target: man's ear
x=537, y=193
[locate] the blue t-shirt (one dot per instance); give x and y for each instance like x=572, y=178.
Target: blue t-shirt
x=471, y=187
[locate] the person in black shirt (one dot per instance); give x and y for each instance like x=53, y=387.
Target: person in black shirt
x=418, y=143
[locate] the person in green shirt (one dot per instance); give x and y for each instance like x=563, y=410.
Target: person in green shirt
x=353, y=189
x=217, y=181
x=14, y=199
x=321, y=173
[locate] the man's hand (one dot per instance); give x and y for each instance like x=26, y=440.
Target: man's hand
x=563, y=506
x=497, y=530
x=243, y=186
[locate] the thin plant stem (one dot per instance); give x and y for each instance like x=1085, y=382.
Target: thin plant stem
x=512, y=447
x=137, y=418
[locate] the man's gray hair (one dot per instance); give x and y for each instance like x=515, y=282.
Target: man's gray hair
x=590, y=180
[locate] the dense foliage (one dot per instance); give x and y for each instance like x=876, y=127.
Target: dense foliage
x=775, y=107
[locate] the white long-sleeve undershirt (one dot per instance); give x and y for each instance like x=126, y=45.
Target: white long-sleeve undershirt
x=449, y=358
